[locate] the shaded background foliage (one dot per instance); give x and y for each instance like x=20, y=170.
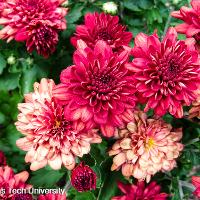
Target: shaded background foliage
x=17, y=78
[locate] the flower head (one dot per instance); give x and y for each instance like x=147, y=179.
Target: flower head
x=97, y=88
x=145, y=147
x=139, y=191
x=42, y=36
x=190, y=16
x=196, y=183
x=9, y=180
x=52, y=197
x=2, y=159
x=102, y=27
x=166, y=73
x=34, y=21
x=49, y=137
x=83, y=178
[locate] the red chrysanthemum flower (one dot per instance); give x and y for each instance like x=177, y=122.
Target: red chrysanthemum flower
x=102, y=27
x=140, y=192
x=52, y=197
x=166, y=73
x=37, y=21
x=9, y=181
x=191, y=25
x=42, y=36
x=49, y=137
x=97, y=88
x=2, y=159
x=196, y=183
x=83, y=178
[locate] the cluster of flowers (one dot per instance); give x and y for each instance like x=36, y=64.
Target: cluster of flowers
x=36, y=22
x=101, y=91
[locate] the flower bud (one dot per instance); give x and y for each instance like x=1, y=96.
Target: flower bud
x=11, y=60
x=83, y=178
x=110, y=7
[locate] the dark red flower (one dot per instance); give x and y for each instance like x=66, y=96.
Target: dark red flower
x=83, y=178
x=42, y=35
x=97, y=88
x=166, y=72
x=2, y=159
x=102, y=27
x=140, y=192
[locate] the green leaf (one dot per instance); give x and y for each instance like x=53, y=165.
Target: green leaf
x=2, y=63
x=74, y=14
x=131, y=5
x=9, y=82
x=46, y=178
x=13, y=136
x=109, y=181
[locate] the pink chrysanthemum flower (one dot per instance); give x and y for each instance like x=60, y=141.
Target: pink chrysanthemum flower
x=140, y=192
x=166, y=73
x=97, y=88
x=196, y=183
x=49, y=137
x=83, y=178
x=37, y=21
x=191, y=25
x=102, y=27
x=52, y=197
x=145, y=147
x=9, y=181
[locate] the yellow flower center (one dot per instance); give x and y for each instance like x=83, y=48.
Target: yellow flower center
x=57, y=124
x=150, y=143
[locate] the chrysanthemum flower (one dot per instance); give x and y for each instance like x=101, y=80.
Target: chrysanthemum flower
x=49, y=137
x=102, y=27
x=166, y=72
x=195, y=109
x=140, y=191
x=97, y=88
x=145, y=147
x=2, y=159
x=37, y=21
x=83, y=178
x=191, y=25
x=42, y=36
x=196, y=183
x=52, y=197
x=9, y=181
